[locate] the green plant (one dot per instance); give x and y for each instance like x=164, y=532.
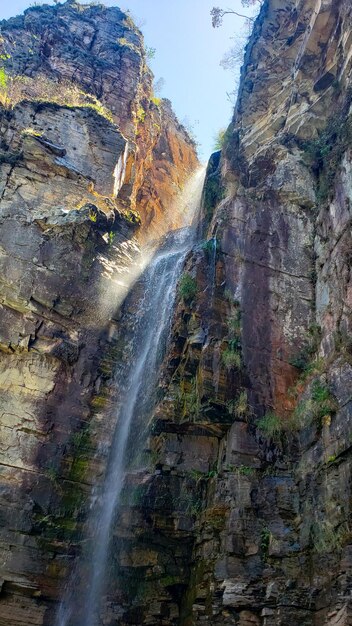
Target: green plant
x=323, y=401
x=189, y=400
x=208, y=245
x=271, y=425
x=231, y=358
x=140, y=115
x=316, y=408
x=93, y=216
x=241, y=404
x=219, y=139
x=187, y=287
x=234, y=324
x=245, y=471
x=52, y=473
x=32, y=132
x=303, y=358
x=214, y=191
x=198, y=475
x=81, y=439
x=3, y=79
x=150, y=53
x=155, y=100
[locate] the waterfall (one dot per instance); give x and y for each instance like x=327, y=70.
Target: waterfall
x=139, y=379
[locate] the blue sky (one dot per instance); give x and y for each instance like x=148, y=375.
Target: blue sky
x=188, y=53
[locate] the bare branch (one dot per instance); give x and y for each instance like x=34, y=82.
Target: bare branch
x=217, y=15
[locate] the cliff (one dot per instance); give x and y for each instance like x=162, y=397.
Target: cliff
x=240, y=513
x=90, y=164
x=253, y=435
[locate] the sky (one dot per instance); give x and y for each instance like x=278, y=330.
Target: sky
x=187, y=57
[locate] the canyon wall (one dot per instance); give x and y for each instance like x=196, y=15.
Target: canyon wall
x=243, y=515
x=91, y=164
x=246, y=519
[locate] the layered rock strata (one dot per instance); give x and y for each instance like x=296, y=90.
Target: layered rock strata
x=90, y=163
x=243, y=515
x=252, y=441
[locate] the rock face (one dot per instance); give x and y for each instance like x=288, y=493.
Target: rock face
x=243, y=515
x=247, y=516
x=89, y=163
x=97, y=56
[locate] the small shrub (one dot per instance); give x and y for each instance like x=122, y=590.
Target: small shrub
x=31, y=132
x=318, y=408
x=150, y=53
x=244, y=470
x=241, y=404
x=271, y=425
x=323, y=401
x=219, y=139
x=231, y=358
x=140, y=115
x=155, y=100
x=187, y=400
x=234, y=324
x=187, y=287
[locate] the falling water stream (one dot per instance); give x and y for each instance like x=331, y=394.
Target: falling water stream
x=153, y=323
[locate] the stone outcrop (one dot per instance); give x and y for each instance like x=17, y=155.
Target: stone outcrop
x=90, y=162
x=94, y=56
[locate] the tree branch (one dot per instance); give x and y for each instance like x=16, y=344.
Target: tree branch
x=246, y=17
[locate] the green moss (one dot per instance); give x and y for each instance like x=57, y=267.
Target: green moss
x=16, y=88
